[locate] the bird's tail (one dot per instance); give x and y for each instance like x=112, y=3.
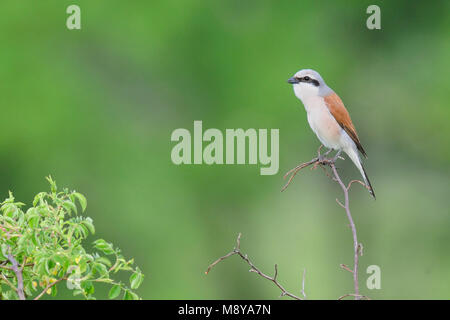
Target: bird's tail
x=353, y=154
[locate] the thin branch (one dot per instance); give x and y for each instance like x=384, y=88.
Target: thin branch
x=340, y=203
x=353, y=295
x=357, y=181
x=2, y=266
x=19, y=275
x=303, y=283
x=352, y=226
x=343, y=266
x=357, y=247
x=253, y=268
x=295, y=170
x=322, y=162
x=49, y=286
x=7, y=281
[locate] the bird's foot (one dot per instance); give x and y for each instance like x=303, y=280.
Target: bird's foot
x=337, y=156
x=322, y=157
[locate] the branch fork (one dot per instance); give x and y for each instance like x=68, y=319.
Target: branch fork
x=253, y=268
x=322, y=162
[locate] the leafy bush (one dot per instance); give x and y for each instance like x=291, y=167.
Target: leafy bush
x=45, y=245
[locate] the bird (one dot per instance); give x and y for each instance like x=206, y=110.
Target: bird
x=329, y=119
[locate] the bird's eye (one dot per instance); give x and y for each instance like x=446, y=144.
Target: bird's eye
x=306, y=78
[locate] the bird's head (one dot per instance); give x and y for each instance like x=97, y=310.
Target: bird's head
x=308, y=83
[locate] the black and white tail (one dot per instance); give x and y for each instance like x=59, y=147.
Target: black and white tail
x=353, y=154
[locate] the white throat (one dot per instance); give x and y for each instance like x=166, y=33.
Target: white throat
x=306, y=92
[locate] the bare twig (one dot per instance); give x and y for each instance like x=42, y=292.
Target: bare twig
x=340, y=203
x=303, y=283
x=357, y=247
x=357, y=181
x=352, y=226
x=7, y=281
x=295, y=170
x=3, y=266
x=253, y=268
x=357, y=296
x=343, y=266
x=322, y=162
x=49, y=286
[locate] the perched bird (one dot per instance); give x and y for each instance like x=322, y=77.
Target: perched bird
x=328, y=118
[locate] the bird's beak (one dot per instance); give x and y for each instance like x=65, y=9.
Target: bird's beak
x=293, y=80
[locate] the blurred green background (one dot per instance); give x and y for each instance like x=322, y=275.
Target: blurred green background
x=95, y=108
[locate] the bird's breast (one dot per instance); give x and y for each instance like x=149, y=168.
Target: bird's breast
x=323, y=123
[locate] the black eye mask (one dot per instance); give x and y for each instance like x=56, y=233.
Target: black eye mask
x=307, y=79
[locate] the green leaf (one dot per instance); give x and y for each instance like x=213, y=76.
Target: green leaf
x=33, y=221
x=54, y=291
x=114, y=292
x=88, y=223
x=9, y=210
x=103, y=246
x=61, y=259
x=77, y=292
x=130, y=295
x=49, y=265
x=83, y=266
x=69, y=206
x=136, y=280
x=104, y=260
x=52, y=183
x=82, y=200
x=10, y=199
x=100, y=268
x=88, y=287
x=3, y=251
x=99, y=243
x=38, y=197
x=83, y=230
x=28, y=287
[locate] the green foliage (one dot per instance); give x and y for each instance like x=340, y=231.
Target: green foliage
x=48, y=242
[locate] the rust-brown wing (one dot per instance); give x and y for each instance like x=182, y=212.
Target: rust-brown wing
x=340, y=113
